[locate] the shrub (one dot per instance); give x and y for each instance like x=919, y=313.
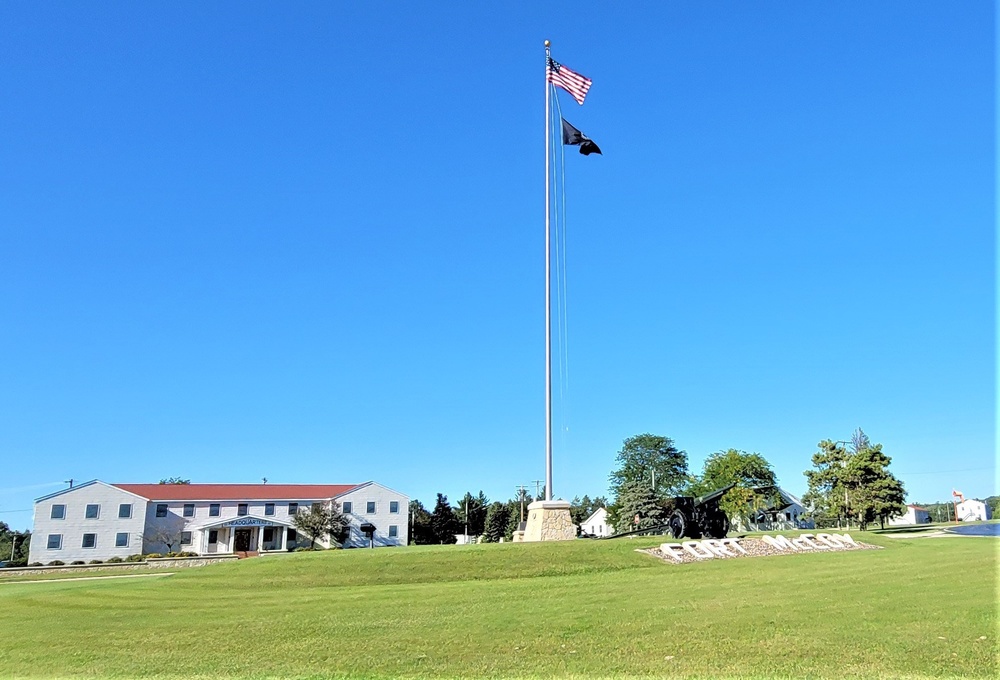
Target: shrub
x=56, y=563
x=134, y=558
x=36, y=564
x=172, y=554
x=115, y=560
x=96, y=562
x=303, y=549
x=187, y=554
x=77, y=562
x=151, y=556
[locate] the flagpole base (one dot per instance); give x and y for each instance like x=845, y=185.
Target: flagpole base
x=549, y=521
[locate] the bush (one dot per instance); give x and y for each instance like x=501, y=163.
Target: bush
x=115, y=560
x=36, y=564
x=96, y=562
x=148, y=556
x=187, y=554
x=56, y=563
x=172, y=554
x=134, y=558
x=303, y=549
x=77, y=562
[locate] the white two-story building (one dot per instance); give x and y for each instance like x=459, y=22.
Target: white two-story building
x=96, y=520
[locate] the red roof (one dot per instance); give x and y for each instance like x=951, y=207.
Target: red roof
x=237, y=492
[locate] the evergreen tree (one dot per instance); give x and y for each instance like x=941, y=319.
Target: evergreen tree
x=444, y=525
x=476, y=507
x=420, y=524
x=497, y=517
x=637, y=499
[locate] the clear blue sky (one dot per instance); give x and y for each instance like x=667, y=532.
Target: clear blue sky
x=304, y=241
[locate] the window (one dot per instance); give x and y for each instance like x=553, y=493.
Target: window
x=242, y=509
x=268, y=508
x=394, y=506
x=125, y=511
x=161, y=509
x=93, y=511
x=293, y=508
x=189, y=509
x=185, y=538
x=291, y=535
x=370, y=508
x=393, y=531
x=121, y=540
x=55, y=542
x=58, y=512
x=90, y=540
x=213, y=510
x=213, y=536
x=788, y=516
x=268, y=534
x=348, y=507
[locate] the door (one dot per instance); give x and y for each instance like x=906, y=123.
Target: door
x=241, y=540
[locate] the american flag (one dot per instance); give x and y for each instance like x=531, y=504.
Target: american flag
x=572, y=82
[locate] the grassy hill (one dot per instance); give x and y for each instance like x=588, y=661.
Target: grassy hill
x=919, y=608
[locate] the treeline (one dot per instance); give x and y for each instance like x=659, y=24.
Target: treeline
x=476, y=515
x=14, y=546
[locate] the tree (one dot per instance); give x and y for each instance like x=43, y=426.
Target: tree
x=175, y=480
x=321, y=521
x=476, y=506
x=420, y=524
x=652, y=460
x=497, y=517
x=853, y=485
x=826, y=497
x=164, y=534
x=637, y=499
x=874, y=492
x=444, y=525
x=581, y=509
x=747, y=471
x=14, y=546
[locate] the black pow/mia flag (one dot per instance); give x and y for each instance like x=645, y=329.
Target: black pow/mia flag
x=574, y=137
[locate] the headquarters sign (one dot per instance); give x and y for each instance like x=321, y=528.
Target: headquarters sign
x=726, y=548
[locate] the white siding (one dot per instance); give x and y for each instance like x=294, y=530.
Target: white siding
x=382, y=518
x=105, y=527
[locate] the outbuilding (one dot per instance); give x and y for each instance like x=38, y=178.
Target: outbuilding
x=914, y=515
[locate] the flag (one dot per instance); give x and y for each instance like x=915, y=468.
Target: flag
x=574, y=137
x=572, y=82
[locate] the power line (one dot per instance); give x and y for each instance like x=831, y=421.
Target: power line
x=946, y=472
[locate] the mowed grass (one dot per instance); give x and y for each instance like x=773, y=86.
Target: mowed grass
x=918, y=608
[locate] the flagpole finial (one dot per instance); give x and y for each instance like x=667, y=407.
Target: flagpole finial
x=548, y=44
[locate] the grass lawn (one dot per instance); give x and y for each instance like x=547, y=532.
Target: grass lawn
x=918, y=608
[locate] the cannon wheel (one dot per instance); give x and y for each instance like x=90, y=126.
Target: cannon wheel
x=718, y=524
x=677, y=523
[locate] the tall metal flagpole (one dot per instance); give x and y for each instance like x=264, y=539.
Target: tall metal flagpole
x=548, y=292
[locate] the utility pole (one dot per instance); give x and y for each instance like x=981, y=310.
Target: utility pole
x=13, y=544
x=466, y=522
x=536, y=482
x=521, y=488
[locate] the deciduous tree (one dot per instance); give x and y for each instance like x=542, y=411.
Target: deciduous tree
x=748, y=471
x=652, y=460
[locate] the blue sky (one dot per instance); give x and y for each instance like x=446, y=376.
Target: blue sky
x=304, y=242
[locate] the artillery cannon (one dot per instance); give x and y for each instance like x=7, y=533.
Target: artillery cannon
x=695, y=517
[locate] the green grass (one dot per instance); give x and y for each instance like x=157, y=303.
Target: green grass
x=576, y=609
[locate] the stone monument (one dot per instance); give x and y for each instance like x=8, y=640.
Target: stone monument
x=549, y=521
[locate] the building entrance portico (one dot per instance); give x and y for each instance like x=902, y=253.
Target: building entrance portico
x=247, y=533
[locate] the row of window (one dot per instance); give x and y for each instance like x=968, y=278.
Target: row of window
x=55, y=541
x=215, y=509
x=92, y=511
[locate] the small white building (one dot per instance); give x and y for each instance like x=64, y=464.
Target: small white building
x=597, y=524
x=914, y=515
x=97, y=520
x=787, y=513
x=972, y=510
